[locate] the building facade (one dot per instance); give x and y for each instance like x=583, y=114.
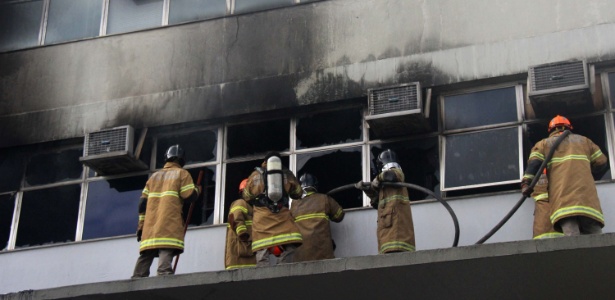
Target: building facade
x=230, y=80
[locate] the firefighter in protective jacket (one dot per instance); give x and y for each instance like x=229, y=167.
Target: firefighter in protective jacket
x=543, y=229
x=312, y=214
x=273, y=230
x=238, y=252
x=575, y=207
x=395, y=227
x=161, y=225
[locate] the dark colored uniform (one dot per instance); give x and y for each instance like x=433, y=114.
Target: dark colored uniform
x=312, y=215
x=238, y=252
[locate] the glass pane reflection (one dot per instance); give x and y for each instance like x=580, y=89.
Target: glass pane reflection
x=480, y=108
x=54, y=167
x=342, y=126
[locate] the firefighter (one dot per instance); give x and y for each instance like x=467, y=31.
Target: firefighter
x=273, y=232
x=395, y=227
x=238, y=252
x=575, y=207
x=543, y=228
x=161, y=226
x=312, y=214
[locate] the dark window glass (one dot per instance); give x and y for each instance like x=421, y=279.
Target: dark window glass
x=612, y=89
x=243, y=6
x=235, y=173
x=133, y=15
x=198, y=146
x=333, y=169
x=71, y=20
x=203, y=210
x=112, y=207
x=258, y=138
x=20, y=24
x=340, y=127
x=48, y=216
x=480, y=108
x=194, y=10
x=54, y=167
x=7, y=205
x=419, y=160
x=11, y=169
x=484, y=157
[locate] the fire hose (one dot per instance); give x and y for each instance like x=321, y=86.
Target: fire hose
x=418, y=188
x=531, y=186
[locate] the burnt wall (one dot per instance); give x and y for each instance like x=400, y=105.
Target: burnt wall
x=314, y=53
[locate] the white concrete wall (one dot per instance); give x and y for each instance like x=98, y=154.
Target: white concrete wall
x=113, y=259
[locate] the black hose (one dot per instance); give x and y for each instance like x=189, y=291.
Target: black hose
x=534, y=181
x=418, y=188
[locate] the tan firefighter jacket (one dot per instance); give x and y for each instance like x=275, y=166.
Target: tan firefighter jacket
x=161, y=219
x=271, y=229
x=238, y=253
x=543, y=228
x=572, y=191
x=395, y=229
x=312, y=215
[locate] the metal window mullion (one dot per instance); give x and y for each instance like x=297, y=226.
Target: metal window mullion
x=220, y=170
x=609, y=121
x=81, y=215
x=165, y=12
x=43, y=27
x=15, y=224
x=230, y=6
x=366, y=151
x=104, y=16
x=292, y=159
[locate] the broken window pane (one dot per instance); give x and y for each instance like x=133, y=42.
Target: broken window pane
x=203, y=210
x=243, y=6
x=420, y=162
x=333, y=169
x=343, y=126
x=194, y=10
x=48, y=216
x=612, y=89
x=11, y=169
x=53, y=167
x=481, y=158
x=198, y=146
x=480, y=108
x=258, y=138
x=7, y=205
x=112, y=207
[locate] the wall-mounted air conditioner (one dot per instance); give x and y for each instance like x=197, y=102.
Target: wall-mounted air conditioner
x=396, y=110
x=110, y=151
x=559, y=88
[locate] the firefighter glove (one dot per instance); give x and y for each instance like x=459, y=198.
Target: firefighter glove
x=361, y=186
x=139, y=233
x=526, y=190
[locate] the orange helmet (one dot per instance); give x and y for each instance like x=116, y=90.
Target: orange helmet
x=243, y=184
x=559, y=121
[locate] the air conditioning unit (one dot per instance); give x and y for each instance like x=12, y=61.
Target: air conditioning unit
x=560, y=88
x=396, y=110
x=110, y=151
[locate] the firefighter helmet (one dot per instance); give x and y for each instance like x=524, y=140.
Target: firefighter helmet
x=309, y=181
x=243, y=184
x=175, y=153
x=387, y=159
x=559, y=121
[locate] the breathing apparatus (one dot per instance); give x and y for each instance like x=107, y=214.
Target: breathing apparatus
x=274, y=195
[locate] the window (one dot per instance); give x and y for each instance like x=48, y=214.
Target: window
x=310, y=129
x=71, y=20
x=203, y=210
x=64, y=163
x=199, y=146
x=7, y=205
x=11, y=169
x=125, y=16
x=193, y=10
x=21, y=24
x=48, y=216
x=258, y=138
x=482, y=141
x=112, y=207
x=244, y=6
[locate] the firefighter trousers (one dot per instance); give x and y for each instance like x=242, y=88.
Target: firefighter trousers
x=144, y=262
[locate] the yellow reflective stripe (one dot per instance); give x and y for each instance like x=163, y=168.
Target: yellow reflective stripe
x=568, y=157
x=239, y=207
x=528, y=176
x=537, y=155
x=311, y=216
x=338, y=213
x=186, y=187
x=542, y=196
x=166, y=193
x=240, y=266
x=596, y=155
x=548, y=235
x=141, y=217
x=240, y=229
x=249, y=222
x=394, y=198
x=574, y=210
x=157, y=242
x=277, y=240
x=396, y=245
x=145, y=191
